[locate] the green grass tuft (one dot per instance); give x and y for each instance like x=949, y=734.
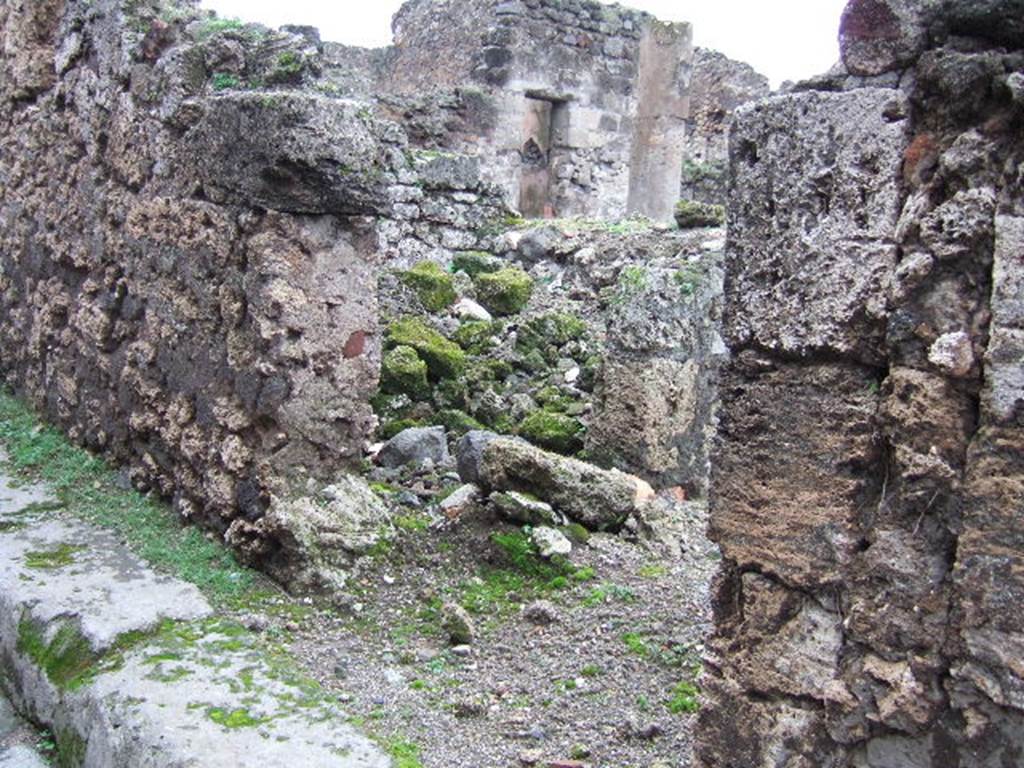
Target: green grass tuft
x=404, y=753
x=223, y=81
x=685, y=699
x=636, y=644
x=86, y=487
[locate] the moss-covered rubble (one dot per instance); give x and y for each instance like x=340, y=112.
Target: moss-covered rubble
x=504, y=292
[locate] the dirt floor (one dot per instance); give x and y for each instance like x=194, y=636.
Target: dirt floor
x=594, y=661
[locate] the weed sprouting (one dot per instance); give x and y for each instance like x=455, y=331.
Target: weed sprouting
x=86, y=487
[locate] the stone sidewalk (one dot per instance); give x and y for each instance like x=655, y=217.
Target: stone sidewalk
x=132, y=669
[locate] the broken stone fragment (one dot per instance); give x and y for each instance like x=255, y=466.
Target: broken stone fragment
x=541, y=612
x=413, y=447
x=316, y=537
x=504, y=292
x=953, y=354
x=432, y=284
x=444, y=358
x=878, y=36
x=596, y=497
x=464, y=500
x=402, y=372
x=523, y=508
x=457, y=624
x=470, y=310
x=537, y=244
x=550, y=542
x=1001, y=21
x=296, y=152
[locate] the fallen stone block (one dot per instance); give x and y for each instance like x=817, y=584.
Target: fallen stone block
x=317, y=538
x=593, y=496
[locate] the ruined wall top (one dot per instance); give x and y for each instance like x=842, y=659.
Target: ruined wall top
x=448, y=42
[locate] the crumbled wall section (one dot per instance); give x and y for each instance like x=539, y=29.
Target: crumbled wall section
x=868, y=481
x=188, y=262
x=718, y=87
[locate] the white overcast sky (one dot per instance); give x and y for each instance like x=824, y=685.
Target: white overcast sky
x=784, y=39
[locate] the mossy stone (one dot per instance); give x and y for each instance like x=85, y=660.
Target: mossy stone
x=554, y=431
x=553, y=399
x=504, y=292
x=534, y=361
x=457, y=422
x=691, y=214
x=590, y=372
x=488, y=371
x=558, y=328
x=474, y=263
x=403, y=372
x=392, y=428
x=475, y=335
x=434, y=287
x=547, y=333
x=444, y=358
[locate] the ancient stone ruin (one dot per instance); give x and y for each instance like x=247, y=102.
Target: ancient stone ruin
x=318, y=297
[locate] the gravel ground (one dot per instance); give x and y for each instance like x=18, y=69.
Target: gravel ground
x=21, y=746
x=610, y=681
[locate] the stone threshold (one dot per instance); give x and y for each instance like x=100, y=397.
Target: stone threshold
x=129, y=668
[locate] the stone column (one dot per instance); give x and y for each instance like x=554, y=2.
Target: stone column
x=663, y=105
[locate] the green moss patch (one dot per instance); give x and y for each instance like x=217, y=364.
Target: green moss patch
x=691, y=214
x=685, y=699
x=546, y=334
x=403, y=372
x=234, y=718
x=434, y=287
x=689, y=278
x=456, y=422
x=288, y=68
x=392, y=428
x=475, y=263
x=60, y=556
x=70, y=749
x=554, y=431
x=223, y=81
x=504, y=292
x=444, y=358
x=67, y=659
x=475, y=336
x=404, y=753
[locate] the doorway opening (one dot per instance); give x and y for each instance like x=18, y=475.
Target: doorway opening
x=545, y=126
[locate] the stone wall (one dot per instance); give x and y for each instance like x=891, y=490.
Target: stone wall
x=585, y=60
x=190, y=235
x=867, y=480
x=718, y=87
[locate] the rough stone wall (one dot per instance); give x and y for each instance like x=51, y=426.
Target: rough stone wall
x=655, y=411
x=190, y=235
x=718, y=87
x=867, y=481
